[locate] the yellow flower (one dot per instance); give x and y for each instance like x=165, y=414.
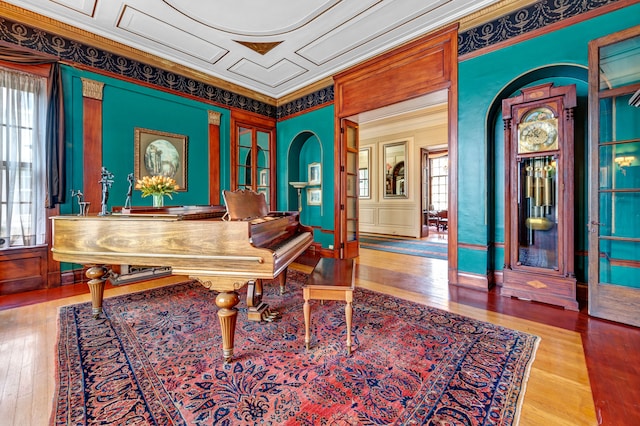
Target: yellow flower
x=160, y=185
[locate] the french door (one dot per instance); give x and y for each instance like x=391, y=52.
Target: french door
x=614, y=195
x=349, y=234
x=253, y=155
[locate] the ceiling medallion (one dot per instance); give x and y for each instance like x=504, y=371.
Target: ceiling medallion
x=261, y=48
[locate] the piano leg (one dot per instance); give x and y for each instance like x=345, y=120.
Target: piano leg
x=282, y=280
x=97, y=275
x=228, y=316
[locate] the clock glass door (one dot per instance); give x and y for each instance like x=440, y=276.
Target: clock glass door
x=537, y=210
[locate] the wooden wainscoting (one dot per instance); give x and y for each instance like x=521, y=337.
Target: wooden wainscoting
x=23, y=269
x=30, y=268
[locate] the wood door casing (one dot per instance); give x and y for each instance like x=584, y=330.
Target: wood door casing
x=426, y=65
x=424, y=192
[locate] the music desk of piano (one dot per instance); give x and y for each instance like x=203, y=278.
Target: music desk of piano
x=222, y=255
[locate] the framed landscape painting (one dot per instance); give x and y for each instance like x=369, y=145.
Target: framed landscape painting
x=160, y=154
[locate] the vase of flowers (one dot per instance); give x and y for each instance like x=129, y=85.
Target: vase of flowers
x=157, y=187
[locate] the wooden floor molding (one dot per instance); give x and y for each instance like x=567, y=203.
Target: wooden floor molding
x=586, y=371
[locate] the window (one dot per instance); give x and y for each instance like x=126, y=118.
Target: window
x=439, y=183
x=22, y=171
x=363, y=173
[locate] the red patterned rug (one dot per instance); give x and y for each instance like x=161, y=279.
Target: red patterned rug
x=154, y=358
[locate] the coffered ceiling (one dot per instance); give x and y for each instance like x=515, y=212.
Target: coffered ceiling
x=272, y=47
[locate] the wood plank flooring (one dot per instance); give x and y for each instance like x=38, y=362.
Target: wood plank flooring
x=586, y=370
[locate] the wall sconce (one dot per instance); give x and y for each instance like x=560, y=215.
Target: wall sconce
x=624, y=161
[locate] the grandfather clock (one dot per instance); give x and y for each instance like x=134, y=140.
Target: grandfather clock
x=539, y=261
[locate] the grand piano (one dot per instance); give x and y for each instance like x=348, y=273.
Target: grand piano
x=222, y=248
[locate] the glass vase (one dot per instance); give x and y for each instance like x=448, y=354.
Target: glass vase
x=158, y=200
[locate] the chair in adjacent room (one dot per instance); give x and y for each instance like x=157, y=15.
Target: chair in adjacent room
x=443, y=220
x=432, y=219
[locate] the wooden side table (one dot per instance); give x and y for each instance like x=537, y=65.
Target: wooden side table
x=331, y=279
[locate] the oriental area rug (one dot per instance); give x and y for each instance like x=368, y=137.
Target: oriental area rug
x=155, y=358
x=404, y=245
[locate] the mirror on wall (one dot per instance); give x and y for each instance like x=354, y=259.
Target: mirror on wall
x=394, y=167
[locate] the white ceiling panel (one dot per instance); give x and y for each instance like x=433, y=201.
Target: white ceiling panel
x=86, y=7
x=247, y=17
x=273, y=76
x=364, y=28
x=167, y=35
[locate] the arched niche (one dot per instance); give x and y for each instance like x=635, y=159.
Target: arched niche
x=560, y=74
x=305, y=148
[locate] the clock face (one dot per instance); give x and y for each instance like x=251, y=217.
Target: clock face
x=538, y=132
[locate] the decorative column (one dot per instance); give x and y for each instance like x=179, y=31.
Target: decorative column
x=92, y=140
x=214, y=157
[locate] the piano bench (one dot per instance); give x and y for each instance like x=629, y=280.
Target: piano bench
x=331, y=279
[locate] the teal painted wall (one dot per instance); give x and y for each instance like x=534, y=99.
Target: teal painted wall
x=481, y=176
x=302, y=140
x=126, y=106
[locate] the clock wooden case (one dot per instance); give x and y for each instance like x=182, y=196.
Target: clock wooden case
x=539, y=198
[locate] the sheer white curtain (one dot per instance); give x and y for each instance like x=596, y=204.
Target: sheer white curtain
x=22, y=155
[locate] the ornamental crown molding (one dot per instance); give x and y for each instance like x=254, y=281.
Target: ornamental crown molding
x=492, y=12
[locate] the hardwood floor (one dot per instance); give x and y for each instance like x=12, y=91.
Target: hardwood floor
x=586, y=370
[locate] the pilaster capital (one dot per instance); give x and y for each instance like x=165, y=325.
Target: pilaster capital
x=92, y=89
x=214, y=118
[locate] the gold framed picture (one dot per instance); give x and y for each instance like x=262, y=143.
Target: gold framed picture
x=160, y=154
x=314, y=196
x=315, y=174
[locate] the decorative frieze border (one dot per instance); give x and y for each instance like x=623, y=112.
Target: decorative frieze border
x=533, y=17
x=311, y=100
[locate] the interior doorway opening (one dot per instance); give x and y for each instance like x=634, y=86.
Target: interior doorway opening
x=420, y=126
